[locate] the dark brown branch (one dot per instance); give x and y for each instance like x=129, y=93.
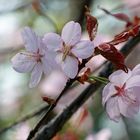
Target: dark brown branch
x=48, y=131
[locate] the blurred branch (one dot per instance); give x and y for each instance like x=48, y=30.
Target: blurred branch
x=23, y=119
x=49, y=130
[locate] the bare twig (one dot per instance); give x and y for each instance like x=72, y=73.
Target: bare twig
x=48, y=131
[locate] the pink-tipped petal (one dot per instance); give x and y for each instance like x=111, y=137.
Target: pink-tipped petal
x=108, y=91
x=52, y=41
x=71, y=33
x=36, y=75
x=23, y=63
x=69, y=65
x=119, y=77
x=113, y=109
x=30, y=39
x=83, y=49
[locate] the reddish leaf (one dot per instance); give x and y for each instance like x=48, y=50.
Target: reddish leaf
x=84, y=77
x=48, y=100
x=112, y=54
x=124, y=36
x=91, y=24
x=36, y=6
x=136, y=21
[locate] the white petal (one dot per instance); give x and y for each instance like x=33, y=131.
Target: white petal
x=69, y=65
x=136, y=70
x=52, y=41
x=133, y=82
x=108, y=91
x=36, y=75
x=71, y=33
x=83, y=49
x=119, y=77
x=127, y=108
x=48, y=62
x=30, y=39
x=23, y=63
x=113, y=109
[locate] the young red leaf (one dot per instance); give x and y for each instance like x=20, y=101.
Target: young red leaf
x=84, y=77
x=48, y=100
x=91, y=24
x=124, y=36
x=112, y=54
x=136, y=21
x=36, y=6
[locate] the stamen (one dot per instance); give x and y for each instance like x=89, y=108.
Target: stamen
x=36, y=56
x=66, y=50
x=121, y=92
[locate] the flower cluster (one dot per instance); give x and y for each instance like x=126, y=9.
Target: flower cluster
x=52, y=52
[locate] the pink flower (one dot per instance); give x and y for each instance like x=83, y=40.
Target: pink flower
x=69, y=47
x=121, y=95
x=36, y=59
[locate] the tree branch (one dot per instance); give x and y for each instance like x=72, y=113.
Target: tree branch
x=49, y=130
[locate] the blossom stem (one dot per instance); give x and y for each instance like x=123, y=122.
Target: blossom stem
x=98, y=78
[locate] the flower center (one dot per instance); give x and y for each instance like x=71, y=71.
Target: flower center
x=66, y=51
x=37, y=56
x=120, y=90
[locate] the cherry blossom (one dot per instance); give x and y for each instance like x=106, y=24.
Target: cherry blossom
x=121, y=95
x=36, y=59
x=69, y=47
